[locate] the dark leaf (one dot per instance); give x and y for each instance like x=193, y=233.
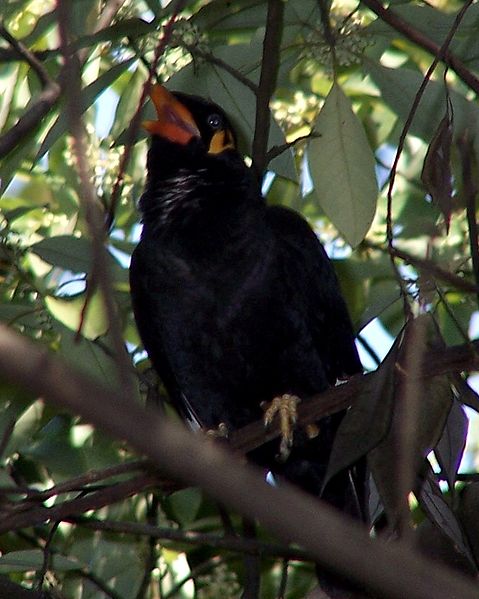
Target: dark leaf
x=434, y=399
x=465, y=394
x=368, y=421
x=436, y=173
x=451, y=445
x=66, y=251
x=435, y=505
x=434, y=544
x=468, y=510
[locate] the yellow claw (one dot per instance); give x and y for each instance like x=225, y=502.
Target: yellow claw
x=285, y=406
x=221, y=432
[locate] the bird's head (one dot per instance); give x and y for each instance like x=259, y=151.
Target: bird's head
x=188, y=120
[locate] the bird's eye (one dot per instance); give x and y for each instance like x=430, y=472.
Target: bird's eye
x=215, y=121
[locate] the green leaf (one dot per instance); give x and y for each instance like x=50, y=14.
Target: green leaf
x=184, y=505
x=65, y=251
x=342, y=168
x=93, y=359
x=88, y=95
x=69, y=312
x=367, y=422
x=399, y=87
x=33, y=559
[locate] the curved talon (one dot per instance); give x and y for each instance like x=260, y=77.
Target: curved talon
x=285, y=405
x=220, y=432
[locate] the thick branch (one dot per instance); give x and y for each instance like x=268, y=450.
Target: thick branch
x=457, y=358
x=391, y=570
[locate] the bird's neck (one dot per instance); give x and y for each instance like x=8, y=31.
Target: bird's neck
x=199, y=201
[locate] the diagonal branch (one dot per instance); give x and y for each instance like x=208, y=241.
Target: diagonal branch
x=442, y=52
x=390, y=570
x=430, y=267
x=71, y=86
x=228, y=542
x=414, y=35
x=51, y=89
x=38, y=109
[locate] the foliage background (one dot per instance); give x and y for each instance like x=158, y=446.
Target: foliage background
x=344, y=85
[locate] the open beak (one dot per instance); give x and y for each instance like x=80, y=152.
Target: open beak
x=175, y=121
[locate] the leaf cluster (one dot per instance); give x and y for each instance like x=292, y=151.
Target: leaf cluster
x=343, y=95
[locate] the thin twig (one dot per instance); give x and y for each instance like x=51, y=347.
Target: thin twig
x=46, y=556
x=276, y=151
x=78, y=483
x=245, y=545
x=39, y=108
x=135, y=121
x=466, y=151
x=93, y=212
x=212, y=59
x=83, y=572
x=198, y=570
x=414, y=35
x=38, y=514
x=430, y=267
x=27, y=56
x=402, y=138
x=387, y=569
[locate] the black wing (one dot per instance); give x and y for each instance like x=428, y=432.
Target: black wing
x=308, y=268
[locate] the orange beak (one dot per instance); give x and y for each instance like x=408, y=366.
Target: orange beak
x=175, y=121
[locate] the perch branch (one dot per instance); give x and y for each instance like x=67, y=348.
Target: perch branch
x=390, y=570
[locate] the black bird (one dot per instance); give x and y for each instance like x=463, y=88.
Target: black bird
x=236, y=302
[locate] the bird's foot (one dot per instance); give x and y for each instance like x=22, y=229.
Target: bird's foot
x=220, y=432
x=285, y=406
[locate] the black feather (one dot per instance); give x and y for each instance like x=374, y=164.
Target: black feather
x=237, y=302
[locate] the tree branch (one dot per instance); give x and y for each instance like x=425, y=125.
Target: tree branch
x=37, y=515
x=135, y=121
x=38, y=109
x=414, y=35
x=52, y=90
x=72, y=89
x=430, y=267
x=228, y=542
x=391, y=570
x=267, y=82
x=466, y=152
